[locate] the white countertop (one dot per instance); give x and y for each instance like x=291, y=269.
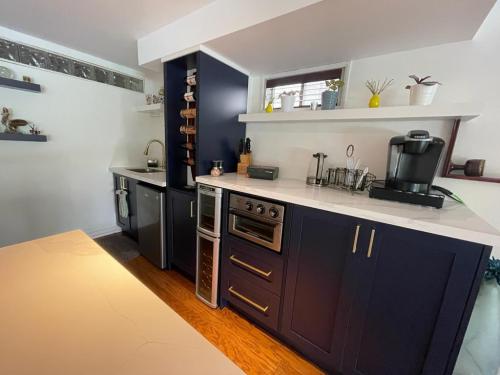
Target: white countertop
x=67, y=307
x=157, y=178
x=453, y=220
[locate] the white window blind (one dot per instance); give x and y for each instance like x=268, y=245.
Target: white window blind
x=308, y=87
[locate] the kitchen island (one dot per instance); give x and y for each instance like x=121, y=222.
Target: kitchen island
x=453, y=220
x=69, y=308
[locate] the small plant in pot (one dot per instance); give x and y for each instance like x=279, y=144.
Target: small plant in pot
x=423, y=91
x=330, y=96
x=288, y=100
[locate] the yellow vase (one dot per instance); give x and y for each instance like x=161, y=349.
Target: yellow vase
x=374, y=101
x=269, y=107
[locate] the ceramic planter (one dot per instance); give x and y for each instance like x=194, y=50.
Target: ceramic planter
x=329, y=99
x=287, y=102
x=422, y=94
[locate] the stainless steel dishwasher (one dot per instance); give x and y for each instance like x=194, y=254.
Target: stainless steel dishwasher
x=151, y=224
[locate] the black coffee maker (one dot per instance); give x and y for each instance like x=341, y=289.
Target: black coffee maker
x=411, y=166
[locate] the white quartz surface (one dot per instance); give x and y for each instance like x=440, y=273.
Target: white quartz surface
x=453, y=220
x=157, y=178
x=67, y=307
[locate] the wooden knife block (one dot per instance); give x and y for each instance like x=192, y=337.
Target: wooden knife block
x=245, y=161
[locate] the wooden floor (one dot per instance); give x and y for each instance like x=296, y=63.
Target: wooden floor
x=253, y=350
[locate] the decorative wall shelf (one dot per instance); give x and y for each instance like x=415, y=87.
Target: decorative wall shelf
x=23, y=137
x=434, y=112
x=152, y=109
x=19, y=85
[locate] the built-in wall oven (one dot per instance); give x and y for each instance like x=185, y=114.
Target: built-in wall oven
x=208, y=243
x=256, y=220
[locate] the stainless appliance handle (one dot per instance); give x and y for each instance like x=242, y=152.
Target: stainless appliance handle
x=191, y=209
x=262, y=219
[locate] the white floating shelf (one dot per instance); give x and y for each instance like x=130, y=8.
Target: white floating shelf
x=152, y=109
x=431, y=112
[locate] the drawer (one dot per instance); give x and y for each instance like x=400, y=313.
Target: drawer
x=259, y=304
x=260, y=267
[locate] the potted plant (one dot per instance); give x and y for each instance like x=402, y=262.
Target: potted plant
x=329, y=97
x=423, y=91
x=376, y=88
x=288, y=100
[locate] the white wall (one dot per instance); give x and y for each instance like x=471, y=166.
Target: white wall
x=469, y=71
x=64, y=184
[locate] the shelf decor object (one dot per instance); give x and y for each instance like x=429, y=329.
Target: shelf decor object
x=448, y=164
x=23, y=137
x=19, y=85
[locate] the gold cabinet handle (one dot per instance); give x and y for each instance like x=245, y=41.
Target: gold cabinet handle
x=355, y=243
x=249, y=266
x=248, y=300
x=370, y=246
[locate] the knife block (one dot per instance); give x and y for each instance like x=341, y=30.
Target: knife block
x=245, y=161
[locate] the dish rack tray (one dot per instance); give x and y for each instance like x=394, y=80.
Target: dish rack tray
x=347, y=179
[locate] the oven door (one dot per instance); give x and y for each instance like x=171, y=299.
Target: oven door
x=209, y=212
x=257, y=229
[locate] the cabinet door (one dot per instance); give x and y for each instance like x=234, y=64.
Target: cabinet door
x=181, y=208
x=318, y=283
x=132, y=200
x=413, y=292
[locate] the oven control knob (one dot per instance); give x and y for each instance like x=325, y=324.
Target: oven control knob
x=260, y=209
x=273, y=212
x=249, y=206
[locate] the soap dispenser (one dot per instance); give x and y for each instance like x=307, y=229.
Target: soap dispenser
x=317, y=173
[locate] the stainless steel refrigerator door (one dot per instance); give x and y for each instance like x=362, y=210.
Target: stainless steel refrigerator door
x=209, y=210
x=207, y=268
x=150, y=220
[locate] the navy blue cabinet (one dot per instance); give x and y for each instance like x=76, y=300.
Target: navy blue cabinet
x=181, y=230
x=413, y=301
x=366, y=298
x=319, y=283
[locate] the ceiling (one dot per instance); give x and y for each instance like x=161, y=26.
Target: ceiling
x=108, y=29
x=334, y=31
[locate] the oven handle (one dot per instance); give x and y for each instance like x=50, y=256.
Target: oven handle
x=262, y=219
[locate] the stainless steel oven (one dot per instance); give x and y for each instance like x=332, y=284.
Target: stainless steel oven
x=256, y=220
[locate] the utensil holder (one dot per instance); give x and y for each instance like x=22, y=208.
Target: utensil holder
x=347, y=179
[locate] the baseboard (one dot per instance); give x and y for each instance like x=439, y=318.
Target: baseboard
x=104, y=232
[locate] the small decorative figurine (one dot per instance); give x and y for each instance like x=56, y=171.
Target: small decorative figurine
x=11, y=125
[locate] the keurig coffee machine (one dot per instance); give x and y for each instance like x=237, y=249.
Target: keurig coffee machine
x=411, y=166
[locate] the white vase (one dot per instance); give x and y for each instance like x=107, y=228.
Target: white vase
x=422, y=94
x=287, y=102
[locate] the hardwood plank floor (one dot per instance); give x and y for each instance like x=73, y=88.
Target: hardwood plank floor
x=252, y=349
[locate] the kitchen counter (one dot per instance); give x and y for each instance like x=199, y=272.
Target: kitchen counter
x=69, y=308
x=157, y=178
x=453, y=220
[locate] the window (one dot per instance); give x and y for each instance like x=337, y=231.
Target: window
x=309, y=87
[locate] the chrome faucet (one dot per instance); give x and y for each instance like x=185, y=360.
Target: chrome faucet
x=146, y=151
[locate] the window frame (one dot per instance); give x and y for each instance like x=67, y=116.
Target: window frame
x=312, y=75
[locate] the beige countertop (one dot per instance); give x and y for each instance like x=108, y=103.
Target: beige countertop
x=67, y=307
x=158, y=178
x=453, y=220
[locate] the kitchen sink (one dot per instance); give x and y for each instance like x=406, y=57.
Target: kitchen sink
x=146, y=170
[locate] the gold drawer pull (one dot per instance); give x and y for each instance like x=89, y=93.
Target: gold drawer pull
x=247, y=300
x=355, y=243
x=370, y=246
x=249, y=266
